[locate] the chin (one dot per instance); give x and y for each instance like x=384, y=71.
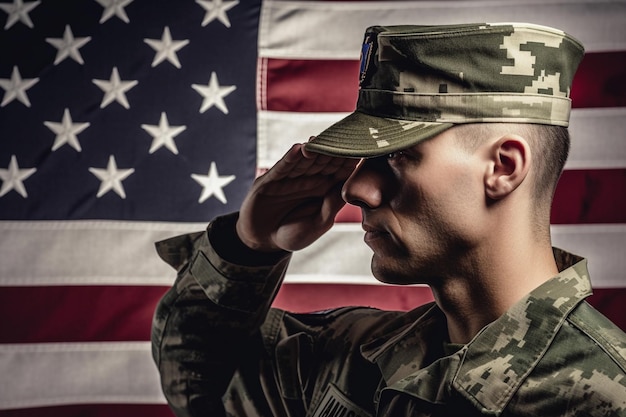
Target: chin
x=397, y=282
x=389, y=276
x=397, y=273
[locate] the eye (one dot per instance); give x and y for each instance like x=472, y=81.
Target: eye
x=402, y=157
x=396, y=155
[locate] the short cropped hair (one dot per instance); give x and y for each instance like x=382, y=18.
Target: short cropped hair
x=549, y=146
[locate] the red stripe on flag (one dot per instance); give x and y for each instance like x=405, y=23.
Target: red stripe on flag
x=77, y=313
x=600, y=80
x=302, y=298
x=315, y=297
x=93, y=410
x=331, y=85
x=590, y=196
x=121, y=313
x=311, y=85
x=349, y=214
x=610, y=302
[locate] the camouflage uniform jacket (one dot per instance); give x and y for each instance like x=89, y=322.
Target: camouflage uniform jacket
x=221, y=350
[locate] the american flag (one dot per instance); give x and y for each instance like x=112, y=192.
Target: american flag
x=123, y=122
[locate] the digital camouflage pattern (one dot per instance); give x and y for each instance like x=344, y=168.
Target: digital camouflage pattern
x=222, y=351
x=417, y=81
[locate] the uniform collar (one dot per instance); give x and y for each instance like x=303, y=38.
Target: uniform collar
x=411, y=345
x=490, y=368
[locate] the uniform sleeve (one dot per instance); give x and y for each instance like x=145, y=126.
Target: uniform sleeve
x=204, y=324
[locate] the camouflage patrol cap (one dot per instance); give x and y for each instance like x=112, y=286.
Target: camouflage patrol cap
x=417, y=81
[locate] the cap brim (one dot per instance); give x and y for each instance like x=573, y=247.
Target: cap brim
x=361, y=135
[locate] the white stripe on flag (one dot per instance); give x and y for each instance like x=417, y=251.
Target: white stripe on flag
x=590, y=150
x=318, y=263
x=277, y=131
x=341, y=257
x=85, y=252
x=46, y=374
x=334, y=30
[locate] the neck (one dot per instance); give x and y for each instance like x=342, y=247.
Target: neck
x=491, y=280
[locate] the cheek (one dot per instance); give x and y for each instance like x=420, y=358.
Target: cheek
x=460, y=206
x=451, y=203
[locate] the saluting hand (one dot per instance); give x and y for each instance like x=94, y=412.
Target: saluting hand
x=295, y=202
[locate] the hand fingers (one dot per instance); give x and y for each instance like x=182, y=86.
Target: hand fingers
x=328, y=165
x=298, y=162
x=341, y=168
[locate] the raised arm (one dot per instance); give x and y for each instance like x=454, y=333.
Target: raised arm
x=205, y=326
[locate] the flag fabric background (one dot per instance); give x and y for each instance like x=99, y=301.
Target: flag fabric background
x=123, y=122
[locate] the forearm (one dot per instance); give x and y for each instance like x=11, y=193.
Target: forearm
x=206, y=321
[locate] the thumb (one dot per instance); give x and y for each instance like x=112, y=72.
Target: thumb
x=333, y=202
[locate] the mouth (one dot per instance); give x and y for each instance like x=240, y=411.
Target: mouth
x=373, y=234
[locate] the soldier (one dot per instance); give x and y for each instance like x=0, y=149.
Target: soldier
x=453, y=154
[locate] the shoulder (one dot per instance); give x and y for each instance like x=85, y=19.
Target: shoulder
x=356, y=324
x=356, y=321
x=610, y=339
x=584, y=368
x=582, y=372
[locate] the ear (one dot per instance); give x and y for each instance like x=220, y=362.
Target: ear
x=510, y=160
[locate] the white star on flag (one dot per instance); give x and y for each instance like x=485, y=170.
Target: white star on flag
x=216, y=9
x=114, y=7
x=68, y=46
x=213, y=94
x=114, y=89
x=66, y=131
x=166, y=48
x=15, y=88
x=111, y=178
x=18, y=11
x=13, y=176
x=212, y=184
x=163, y=134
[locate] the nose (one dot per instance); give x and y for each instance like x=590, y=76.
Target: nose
x=364, y=187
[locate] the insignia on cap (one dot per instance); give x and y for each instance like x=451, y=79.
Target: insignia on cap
x=366, y=53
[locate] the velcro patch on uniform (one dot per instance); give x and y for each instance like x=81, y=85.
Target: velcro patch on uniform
x=336, y=404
